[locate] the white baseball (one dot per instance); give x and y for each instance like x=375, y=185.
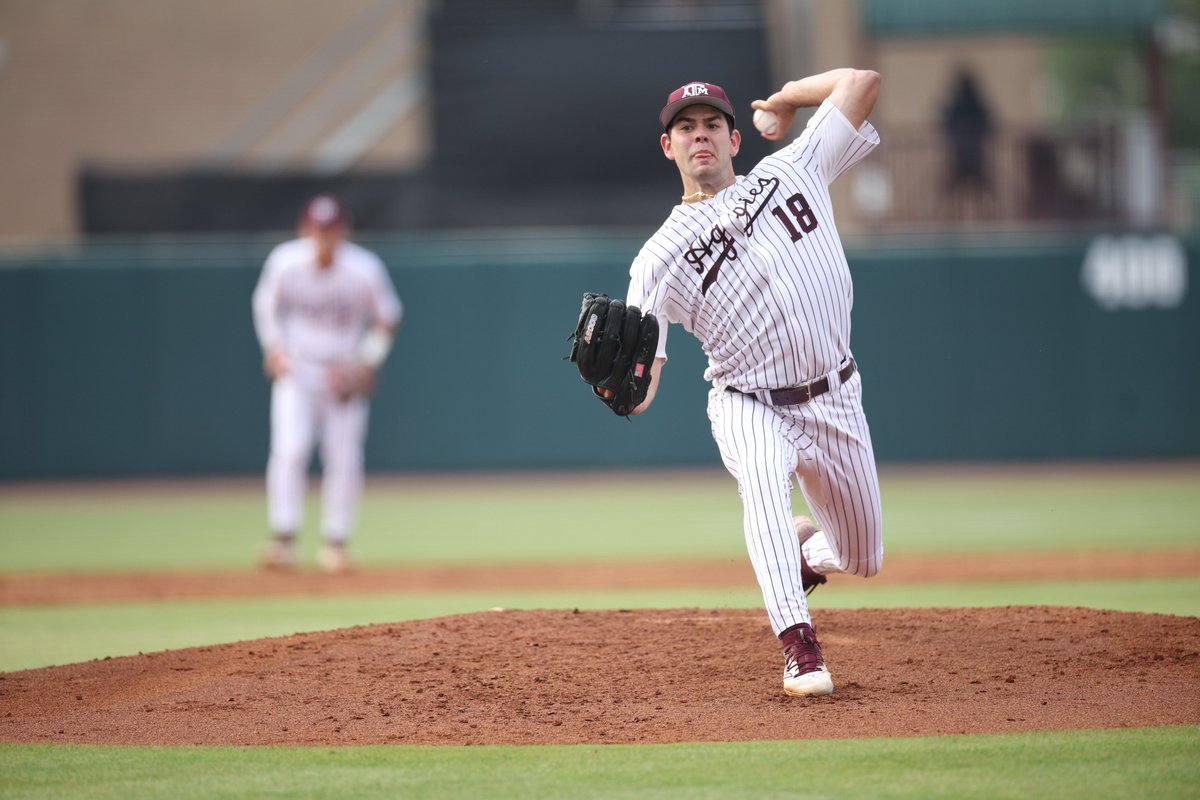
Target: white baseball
x=765, y=121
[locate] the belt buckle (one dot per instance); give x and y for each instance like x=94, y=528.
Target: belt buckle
x=800, y=395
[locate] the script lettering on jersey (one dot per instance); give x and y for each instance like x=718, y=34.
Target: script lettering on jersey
x=748, y=208
x=332, y=312
x=720, y=241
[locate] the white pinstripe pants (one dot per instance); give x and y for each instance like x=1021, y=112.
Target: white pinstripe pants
x=827, y=444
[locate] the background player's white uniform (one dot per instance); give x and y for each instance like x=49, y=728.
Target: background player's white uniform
x=758, y=274
x=316, y=316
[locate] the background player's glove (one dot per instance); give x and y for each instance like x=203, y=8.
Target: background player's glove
x=614, y=346
x=351, y=379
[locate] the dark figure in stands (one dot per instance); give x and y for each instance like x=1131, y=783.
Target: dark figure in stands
x=967, y=126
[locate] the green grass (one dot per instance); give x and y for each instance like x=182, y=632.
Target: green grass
x=188, y=525
x=456, y=519
x=548, y=518
x=1148, y=762
x=975, y=510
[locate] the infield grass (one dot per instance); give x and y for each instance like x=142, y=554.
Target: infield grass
x=543, y=517
x=1136, y=763
x=523, y=517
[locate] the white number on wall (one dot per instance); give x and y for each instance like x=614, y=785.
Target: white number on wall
x=1136, y=272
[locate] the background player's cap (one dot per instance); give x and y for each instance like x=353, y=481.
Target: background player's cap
x=324, y=211
x=690, y=94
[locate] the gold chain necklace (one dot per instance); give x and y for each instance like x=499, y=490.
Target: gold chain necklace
x=696, y=197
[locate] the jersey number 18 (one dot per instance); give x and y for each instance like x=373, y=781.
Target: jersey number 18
x=803, y=214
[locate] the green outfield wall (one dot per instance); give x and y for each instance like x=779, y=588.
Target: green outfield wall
x=140, y=358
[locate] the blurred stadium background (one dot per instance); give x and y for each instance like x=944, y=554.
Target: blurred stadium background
x=1022, y=274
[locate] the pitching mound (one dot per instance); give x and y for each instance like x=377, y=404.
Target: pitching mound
x=532, y=677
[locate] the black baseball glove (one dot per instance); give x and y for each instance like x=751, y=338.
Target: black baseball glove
x=614, y=346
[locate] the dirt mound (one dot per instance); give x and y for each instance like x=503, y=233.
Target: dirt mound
x=530, y=677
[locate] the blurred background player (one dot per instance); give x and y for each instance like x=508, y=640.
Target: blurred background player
x=325, y=312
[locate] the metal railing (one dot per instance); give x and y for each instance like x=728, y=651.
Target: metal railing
x=1021, y=177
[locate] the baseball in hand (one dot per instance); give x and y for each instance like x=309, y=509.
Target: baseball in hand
x=765, y=121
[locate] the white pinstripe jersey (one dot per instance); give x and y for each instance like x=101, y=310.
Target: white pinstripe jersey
x=758, y=274
x=317, y=314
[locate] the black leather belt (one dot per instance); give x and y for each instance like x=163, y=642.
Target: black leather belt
x=799, y=395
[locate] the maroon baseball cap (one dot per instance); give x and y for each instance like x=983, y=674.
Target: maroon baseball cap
x=694, y=93
x=324, y=211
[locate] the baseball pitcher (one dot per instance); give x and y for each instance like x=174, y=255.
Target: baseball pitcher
x=753, y=266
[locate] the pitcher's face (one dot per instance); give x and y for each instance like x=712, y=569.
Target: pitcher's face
x=702, y=145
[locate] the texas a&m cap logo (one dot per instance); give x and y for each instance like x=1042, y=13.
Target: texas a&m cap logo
x=689, y=95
